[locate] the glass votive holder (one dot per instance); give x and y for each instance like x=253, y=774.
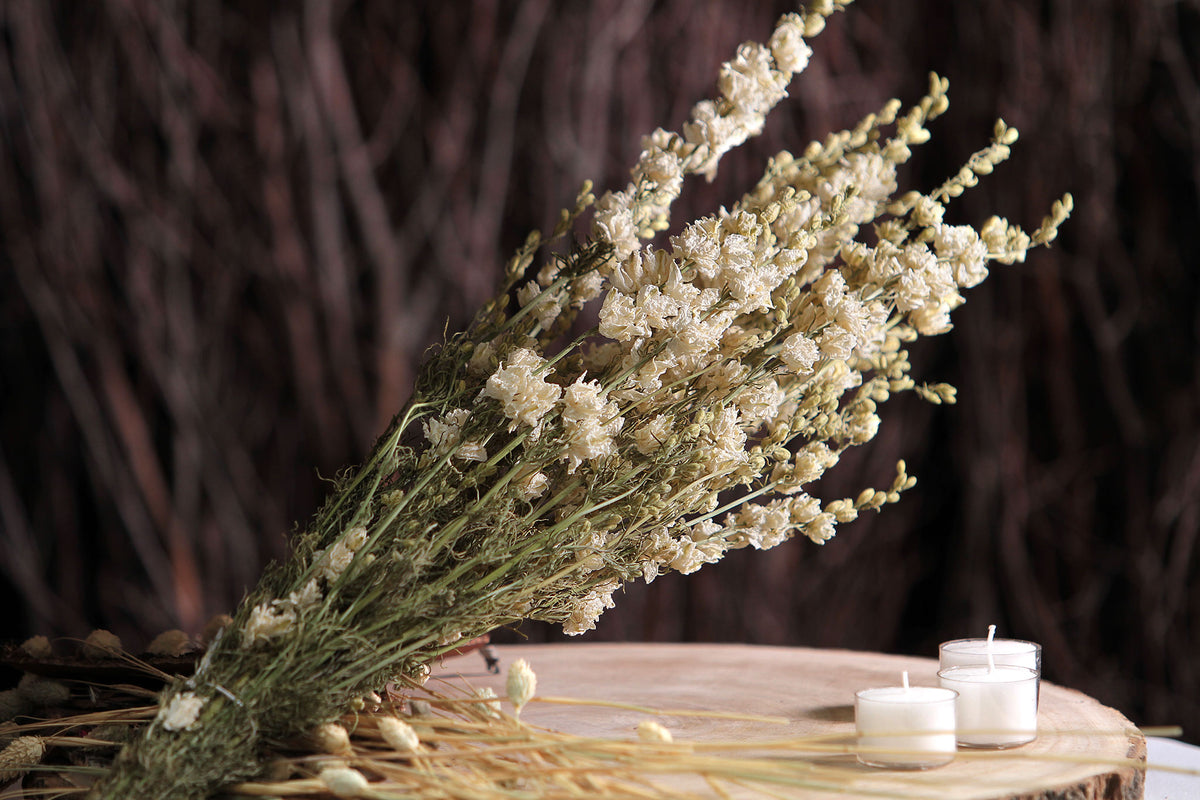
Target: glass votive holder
x=997, y=707
x=905, y=727
x=1005, y=652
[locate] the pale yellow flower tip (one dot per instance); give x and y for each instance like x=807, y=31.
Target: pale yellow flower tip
x=650, y=731
x=101, y=644
x=522, y=684
x=332, y=738
x=399, y=735
x=19, y=756
x=344, y=782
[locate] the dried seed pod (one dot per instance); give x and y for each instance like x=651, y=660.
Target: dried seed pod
x=37, y=647
x=170, y=643
x=101, y=644
x=41, y=691
x=650, y=731
x=399, y=735
x=332, y=738
x=19, y=756
x=344, y=782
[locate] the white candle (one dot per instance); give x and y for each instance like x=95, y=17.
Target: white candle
x=909, y=727
x=997, y=707
x=1006, y=652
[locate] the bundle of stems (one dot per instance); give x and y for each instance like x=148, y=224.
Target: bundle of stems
x=541, y=464
x=450, y=740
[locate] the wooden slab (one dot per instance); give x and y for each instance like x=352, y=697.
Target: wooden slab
x=1078, y=754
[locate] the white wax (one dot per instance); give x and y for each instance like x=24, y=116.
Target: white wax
x=1008, y=652
x=997, y=707
x=915, y=724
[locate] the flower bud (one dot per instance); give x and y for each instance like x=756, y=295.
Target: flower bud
x=522, y=684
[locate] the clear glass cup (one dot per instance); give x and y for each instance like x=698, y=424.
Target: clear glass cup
x=905, y=728
x=1005, y=652
x=997, y=706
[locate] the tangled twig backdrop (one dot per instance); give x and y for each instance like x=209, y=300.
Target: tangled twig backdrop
x=229, y=234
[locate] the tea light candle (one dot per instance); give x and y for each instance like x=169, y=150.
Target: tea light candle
x=1008, y=652
x=997, y=705
x=906, y=727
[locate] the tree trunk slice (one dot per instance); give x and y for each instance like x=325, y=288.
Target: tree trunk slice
x=1084, y=750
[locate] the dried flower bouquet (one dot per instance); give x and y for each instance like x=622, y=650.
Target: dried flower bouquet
x=538, y=467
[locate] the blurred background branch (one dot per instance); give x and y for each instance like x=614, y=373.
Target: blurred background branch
x=228, y=231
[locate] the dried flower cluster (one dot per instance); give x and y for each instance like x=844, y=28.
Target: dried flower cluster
x=541, y=464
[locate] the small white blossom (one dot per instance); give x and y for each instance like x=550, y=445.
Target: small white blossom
x=181, y=713
x=590, y=423
x=267, y=621
x=799, y=353
x=788, y=48
x=445, y=434
x=525, y=396
x=650, y=437
x=547, y=310
x=821, y=529
x=966, y=253
x=587, y=609
x=532, y=486
x=613, y=223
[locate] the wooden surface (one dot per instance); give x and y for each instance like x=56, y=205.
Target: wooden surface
x=1076, y=757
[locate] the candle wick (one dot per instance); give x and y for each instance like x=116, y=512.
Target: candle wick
x=904, y=677
x=991, y=635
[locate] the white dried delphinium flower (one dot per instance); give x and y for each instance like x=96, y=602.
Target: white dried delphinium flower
x=587, y=609
x=650, y=437
x=101, y=644
x=521, y=684
x=444, y=435
x=523, y=393
x=181, y=713
x=19, y=756
x=267, y=621
x=590, y=422
x=532, y=486
x=307, y=597
x=650, y=731
x=334, y=561
x=344, y=782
